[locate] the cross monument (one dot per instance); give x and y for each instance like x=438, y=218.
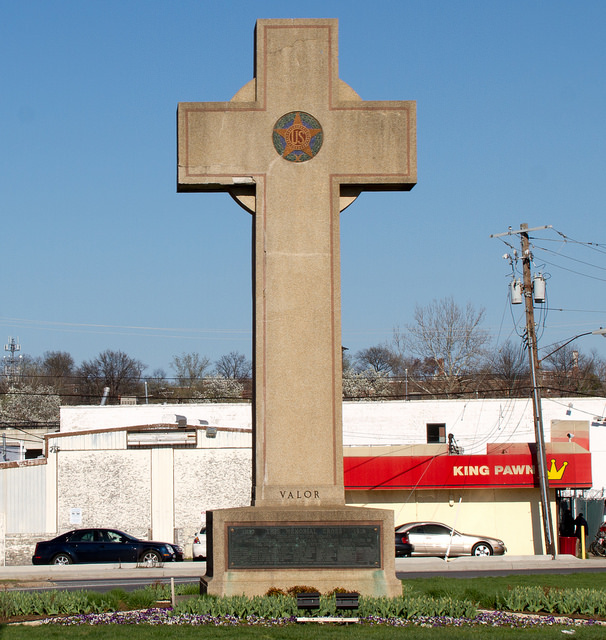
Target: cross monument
x=295, y=146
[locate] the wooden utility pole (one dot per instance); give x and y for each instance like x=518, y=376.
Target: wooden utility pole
x=535, y=374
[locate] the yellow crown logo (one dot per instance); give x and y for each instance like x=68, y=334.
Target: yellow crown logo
x=556, y=474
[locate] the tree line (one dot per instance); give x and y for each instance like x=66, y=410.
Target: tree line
x=34, y=394
x=444, y=353
x=447, y=353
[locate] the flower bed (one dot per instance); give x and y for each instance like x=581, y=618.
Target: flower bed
x=169, y=617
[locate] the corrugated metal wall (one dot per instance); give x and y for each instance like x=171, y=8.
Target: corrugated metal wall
x=91, y=441
x=23, y=498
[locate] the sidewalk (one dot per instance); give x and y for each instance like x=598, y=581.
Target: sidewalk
x=562, y=562
x=50, y=573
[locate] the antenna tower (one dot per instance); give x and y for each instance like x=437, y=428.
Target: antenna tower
x=12, y=364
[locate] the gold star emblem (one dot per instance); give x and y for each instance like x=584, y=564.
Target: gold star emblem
x=298, y=137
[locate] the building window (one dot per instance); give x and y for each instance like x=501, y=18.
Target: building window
x=436, y=433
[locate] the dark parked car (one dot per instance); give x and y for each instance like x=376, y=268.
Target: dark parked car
x=403, y=547
x=437, y=539
x=103, y=545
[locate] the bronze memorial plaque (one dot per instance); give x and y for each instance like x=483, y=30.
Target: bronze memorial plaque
x=299, y=545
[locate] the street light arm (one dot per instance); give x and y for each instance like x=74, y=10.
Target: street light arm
x=597, y=332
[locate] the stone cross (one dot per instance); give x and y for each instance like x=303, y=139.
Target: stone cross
x=295, y=146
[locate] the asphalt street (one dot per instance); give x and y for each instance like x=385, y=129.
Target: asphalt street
x=405, y=567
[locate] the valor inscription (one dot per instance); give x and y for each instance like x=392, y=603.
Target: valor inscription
x=300, y=494
x=302, y=546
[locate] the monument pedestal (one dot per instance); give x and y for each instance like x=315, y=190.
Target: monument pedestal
x=251, y=549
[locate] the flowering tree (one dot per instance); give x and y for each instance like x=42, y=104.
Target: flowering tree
x=24, y=404
x=217, y=389
x=365, y=385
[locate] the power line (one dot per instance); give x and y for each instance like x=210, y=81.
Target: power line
x=579, y=310
x=556, y=253
x=596, y=246
x=84, y=325
x=577, y=273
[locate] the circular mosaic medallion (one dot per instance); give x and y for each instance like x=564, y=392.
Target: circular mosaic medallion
x=297, y=136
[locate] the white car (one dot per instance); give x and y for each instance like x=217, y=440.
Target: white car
x=199, y=545
x=437, y=539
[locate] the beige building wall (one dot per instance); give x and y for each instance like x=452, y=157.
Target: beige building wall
x=208, y=479
x=511, y=515
x=158, y=492
x=111, y=488
x=162, y=494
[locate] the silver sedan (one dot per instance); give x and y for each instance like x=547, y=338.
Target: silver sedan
x=437, y=539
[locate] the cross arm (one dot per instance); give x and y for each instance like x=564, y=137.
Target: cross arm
x=207, y=135
x=376, y=145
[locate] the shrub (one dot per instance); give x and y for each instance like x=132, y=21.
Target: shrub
x=297, y=589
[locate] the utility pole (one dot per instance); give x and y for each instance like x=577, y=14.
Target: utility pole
x=535, y=374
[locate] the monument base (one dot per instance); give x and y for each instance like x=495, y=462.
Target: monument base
x=252, y=549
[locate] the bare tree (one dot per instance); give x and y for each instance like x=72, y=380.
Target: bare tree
x=113, y=369
x=450, y=337
x=58, y=369
x=599, y=364
x=405, y=364
x=346, y=360
x=510, y=364
x=57, y=364
x=28, y=369
x=190, y=368
x=379, y=359
x=567, y=369
x=158, y=386
x=234, y=365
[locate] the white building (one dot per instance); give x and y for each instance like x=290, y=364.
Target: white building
x=154, y=470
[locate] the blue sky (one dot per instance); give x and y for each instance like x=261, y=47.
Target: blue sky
x=100, y=252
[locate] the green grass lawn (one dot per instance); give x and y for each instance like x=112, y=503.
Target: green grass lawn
x=480, y=590
x=300, y=632
x=483, y=590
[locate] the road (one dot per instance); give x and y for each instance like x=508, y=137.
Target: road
x=100, y=577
